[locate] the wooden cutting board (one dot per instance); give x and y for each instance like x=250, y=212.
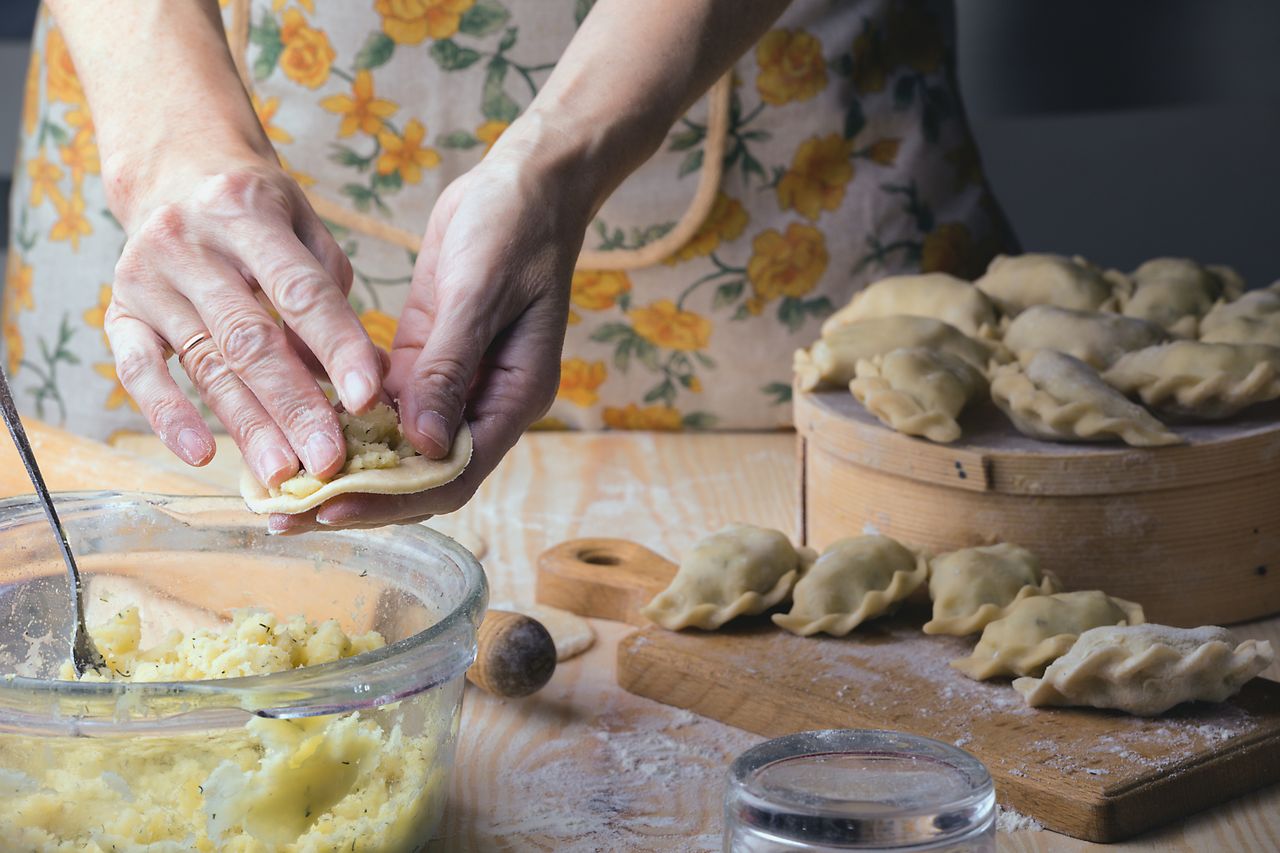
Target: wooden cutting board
x=1096, y=775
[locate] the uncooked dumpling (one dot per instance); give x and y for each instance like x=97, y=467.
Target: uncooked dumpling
x=937, y=295
x=380, y=461
x=1016, y=282
x=1148, y=669
x=854, y=580
x=1190, y=379
x=833, y=359
x=1176, y=292
x=1252, y=319
x=1039, y=629
x=1096, y=338
x=738, y=571
x=918, y=391
x=1059, y=398
x=973, y=587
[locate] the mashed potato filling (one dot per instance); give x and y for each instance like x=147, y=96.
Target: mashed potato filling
x=357, y=781
x=374, y=441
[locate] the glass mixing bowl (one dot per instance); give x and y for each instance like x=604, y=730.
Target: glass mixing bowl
x=350, y=755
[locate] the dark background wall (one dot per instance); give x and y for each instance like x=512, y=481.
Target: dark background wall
x=1118, y=129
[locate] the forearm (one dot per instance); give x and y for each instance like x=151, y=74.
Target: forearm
x=629, y=73
x=163, y=91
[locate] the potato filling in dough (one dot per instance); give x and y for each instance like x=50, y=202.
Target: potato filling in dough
x=374, y=442
x=366, y=780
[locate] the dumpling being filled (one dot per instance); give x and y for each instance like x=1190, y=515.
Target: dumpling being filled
x=1195, y=380
x=937, y=295
x=1148, y=669
x=737, y=571
x=833, y=359
x=1252, y=319
x=1016, y=282
x=1039, y=629
x=1176, y=292
x=854, y=580
x=1059, y=398
x=1098, y=339
x=918, y=391
x=973, y=587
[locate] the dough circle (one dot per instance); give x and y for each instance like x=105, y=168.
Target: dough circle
x=571, y=634
x=414, y=474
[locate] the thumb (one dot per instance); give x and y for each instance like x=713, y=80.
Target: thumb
x=434, y=396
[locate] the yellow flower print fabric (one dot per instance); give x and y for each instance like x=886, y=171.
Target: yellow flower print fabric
x=846, y=159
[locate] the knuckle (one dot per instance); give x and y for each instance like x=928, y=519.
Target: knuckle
x=133, y=367
x=166, y=226
x=446, y=381
x=300, y=418
x=297, y=291
x=249, y=339
x=208, y=370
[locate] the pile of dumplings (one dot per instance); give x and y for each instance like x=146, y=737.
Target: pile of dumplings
x=1068, y=351
x=1061, y=648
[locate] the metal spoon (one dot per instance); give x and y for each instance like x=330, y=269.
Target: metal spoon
x=84, y=654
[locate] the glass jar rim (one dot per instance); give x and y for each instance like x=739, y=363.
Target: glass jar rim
x=396, y=671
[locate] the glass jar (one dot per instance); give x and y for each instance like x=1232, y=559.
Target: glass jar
x=350, y=755
x=851, y=789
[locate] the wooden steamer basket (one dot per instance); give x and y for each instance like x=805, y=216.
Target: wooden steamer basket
x=1191, y=532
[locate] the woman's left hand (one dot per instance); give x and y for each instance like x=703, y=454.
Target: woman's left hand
x=483, y=327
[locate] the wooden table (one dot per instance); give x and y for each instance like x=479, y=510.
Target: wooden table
x=583, y=766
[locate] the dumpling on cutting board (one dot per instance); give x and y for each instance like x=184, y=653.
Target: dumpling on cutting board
x=380, y=461
x=1203, y=381
x=918, y=391
x=1148, y=669
x=738, y=571
x=1098, y=339
x=1176, y=292
x=1016, y=282
x=1252, y=319
x=1039, y=629
x=973, y=587
x=832, y=360
x=938, y=295
x=854, y=580
x=1059, y=398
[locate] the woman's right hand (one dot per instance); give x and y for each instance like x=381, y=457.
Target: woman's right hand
x=203, y=245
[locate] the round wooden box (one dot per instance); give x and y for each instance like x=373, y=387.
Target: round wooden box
x=1191, y=532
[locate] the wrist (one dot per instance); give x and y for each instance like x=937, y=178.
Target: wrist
x=144, y=174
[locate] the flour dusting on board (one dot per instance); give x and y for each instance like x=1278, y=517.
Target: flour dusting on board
x=1009, y=820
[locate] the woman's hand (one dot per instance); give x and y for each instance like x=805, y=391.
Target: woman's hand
x=481, y=334
x=209, y=246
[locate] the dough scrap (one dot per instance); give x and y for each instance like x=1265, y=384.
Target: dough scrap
x=832, y=360
x=1148, y=669
x=1016, y=282
x=1059, y=398
x=738, y=571
x=973, y=587
x=854, y=580
x=937, y=295
x=1195, y=380
x=918, y=391
x=379, y=462
x=1252, y=319
x=1039, y=629
x=1177, y=292
x=1098, y=339
x=571, y=634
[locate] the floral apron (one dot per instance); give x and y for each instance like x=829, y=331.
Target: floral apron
x=835, y=153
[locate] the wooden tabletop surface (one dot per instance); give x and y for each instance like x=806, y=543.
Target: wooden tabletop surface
x=583, y=766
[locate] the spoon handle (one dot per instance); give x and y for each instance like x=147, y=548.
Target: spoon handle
x=83, y=652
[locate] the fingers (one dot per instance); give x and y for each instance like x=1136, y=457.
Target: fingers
x=255, y=350
x=312, y=302
x=141, y=366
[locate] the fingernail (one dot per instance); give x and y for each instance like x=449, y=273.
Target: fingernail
x=194, y=447
x=275, y=465
x=433, y=426
x=357, y=390
x=276, y=525
x=322, y=452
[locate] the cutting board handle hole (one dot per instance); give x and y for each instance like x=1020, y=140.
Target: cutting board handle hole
x=598, y=557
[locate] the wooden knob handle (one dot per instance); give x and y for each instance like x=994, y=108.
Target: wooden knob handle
x=516, y=655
